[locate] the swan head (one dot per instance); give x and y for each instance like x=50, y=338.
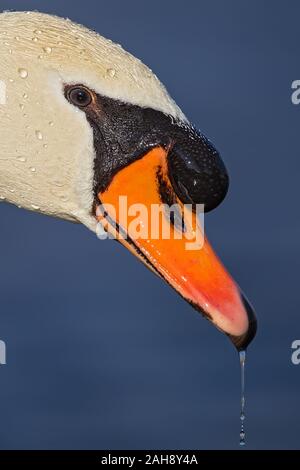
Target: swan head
x=83, y=122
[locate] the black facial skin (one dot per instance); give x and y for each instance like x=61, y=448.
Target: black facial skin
x=124, y=133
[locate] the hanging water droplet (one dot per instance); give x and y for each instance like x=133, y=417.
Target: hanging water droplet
x=21, y=159
x=23, y=73
x=21, y=106
x=101, y=232
x=36, y=208
x=51, y=123
x=242, y=438
x=111, y=72
x=2, y=198
x=39, y=135
x=242, y=356
x=25, y=96
x=47, y=49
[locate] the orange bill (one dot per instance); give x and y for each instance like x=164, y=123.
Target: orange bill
x=176, y=251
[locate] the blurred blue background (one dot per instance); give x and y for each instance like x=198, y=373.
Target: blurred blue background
x=101, y=354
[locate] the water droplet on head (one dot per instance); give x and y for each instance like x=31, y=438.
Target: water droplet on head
x=51, y=123
x=35, y=39
x=40, y=57
x=21, y=106
x=39, y=135
x=21, y=159
x=25, y=96
x=2, y=198
x=45, y=146
x=47, y=49
x=23, y=73
x=36, y=208
x=37, y=31
x=111, y=72
x=32, y=169
x=58, y=183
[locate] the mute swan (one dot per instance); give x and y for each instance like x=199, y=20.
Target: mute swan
x=83, y=122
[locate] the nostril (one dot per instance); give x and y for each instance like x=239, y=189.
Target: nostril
x=197, y=172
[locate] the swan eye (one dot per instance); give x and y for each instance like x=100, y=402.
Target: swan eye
x=79, y=96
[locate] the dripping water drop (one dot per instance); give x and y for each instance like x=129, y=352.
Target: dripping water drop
x=242, y=355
